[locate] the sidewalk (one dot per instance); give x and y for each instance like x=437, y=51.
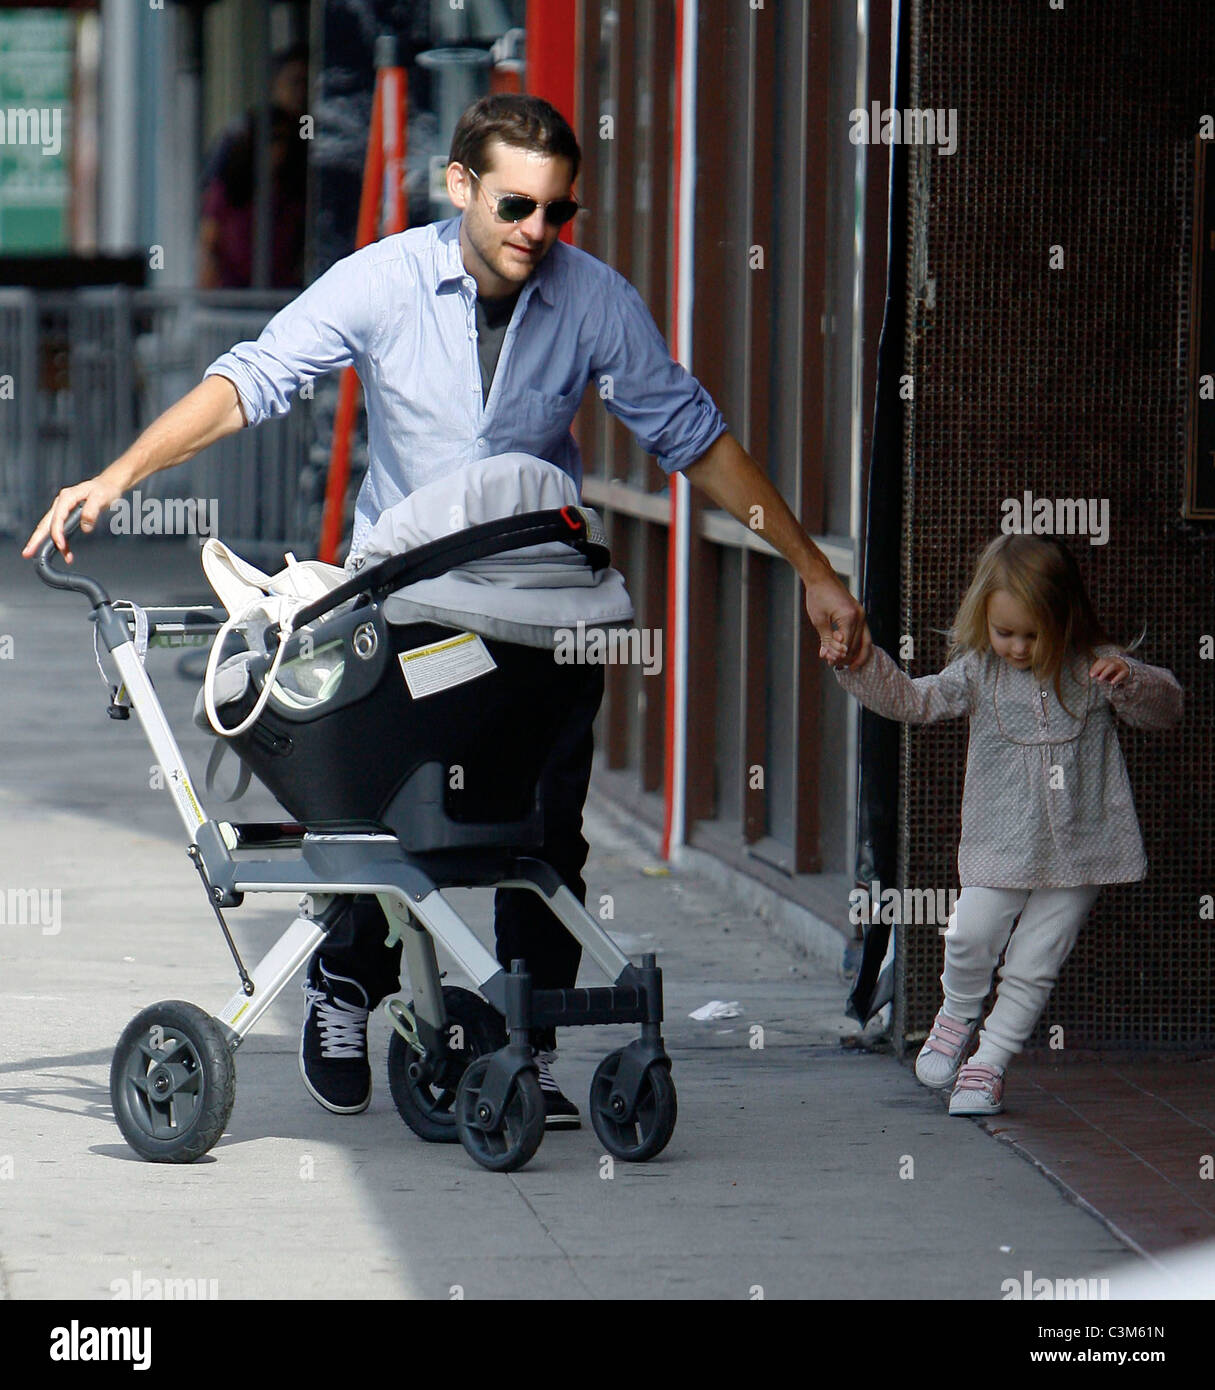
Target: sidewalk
x=801, y=1167
x=1134, y=1139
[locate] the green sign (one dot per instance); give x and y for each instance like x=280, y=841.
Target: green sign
x=36, y=48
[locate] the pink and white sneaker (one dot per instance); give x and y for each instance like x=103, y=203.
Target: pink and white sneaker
x=941, y=1056
x=979, y=1091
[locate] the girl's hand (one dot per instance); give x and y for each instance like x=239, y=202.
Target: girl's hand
x=1112, y=669
x=837, y=655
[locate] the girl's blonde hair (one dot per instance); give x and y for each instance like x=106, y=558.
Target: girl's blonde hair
x=1042, y=574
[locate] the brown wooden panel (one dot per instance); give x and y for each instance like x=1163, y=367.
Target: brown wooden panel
x=810, y=503
x=652, y=611
x=752, y=675
x=663, y=94
x=752, y=695
x=619, y=442
x=703, y=580
x=717, y=126
x=815, y=104
x=721, y=49
x=590, y=227
x=621, y=535
x=877, y=212
x=587, y=226
x=808, y=676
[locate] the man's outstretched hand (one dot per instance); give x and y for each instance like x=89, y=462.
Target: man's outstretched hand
x=840, y=623
x=96, y=494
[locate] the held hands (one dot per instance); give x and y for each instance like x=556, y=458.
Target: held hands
x=96, y=493
x=840, y=623
x=1111, y=670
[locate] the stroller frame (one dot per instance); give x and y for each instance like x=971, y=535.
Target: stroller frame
x=172, y=1079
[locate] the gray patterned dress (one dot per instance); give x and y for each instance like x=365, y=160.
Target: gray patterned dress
x=1047, y=802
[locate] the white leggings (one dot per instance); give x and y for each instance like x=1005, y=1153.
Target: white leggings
x=1051, y=919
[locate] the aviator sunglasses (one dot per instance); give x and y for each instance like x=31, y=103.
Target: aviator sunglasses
x=516, y=207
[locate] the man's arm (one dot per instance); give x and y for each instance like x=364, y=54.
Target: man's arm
x=732, y=479
x=321, y=330
x=209, y=412
x=671, y=415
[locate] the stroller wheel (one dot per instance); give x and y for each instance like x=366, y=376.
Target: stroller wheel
x=172, y=1082
x=427, y=1103
x=520, y=1127
x=653, y=1122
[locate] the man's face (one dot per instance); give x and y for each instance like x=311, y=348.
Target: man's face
x=501, y=255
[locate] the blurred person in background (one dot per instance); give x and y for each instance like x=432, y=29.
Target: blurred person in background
x=228, y=208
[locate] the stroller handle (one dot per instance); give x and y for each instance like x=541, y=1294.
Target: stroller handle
x=60, y=579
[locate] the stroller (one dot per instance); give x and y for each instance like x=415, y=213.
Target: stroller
x=365, y=773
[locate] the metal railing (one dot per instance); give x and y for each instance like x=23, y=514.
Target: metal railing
x=18, y=404
x=83, y=372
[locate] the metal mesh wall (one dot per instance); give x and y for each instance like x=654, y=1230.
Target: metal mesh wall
x=1075, y=130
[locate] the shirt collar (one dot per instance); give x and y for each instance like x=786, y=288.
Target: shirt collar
x=449, y=264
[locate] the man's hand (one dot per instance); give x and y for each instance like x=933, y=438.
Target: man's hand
x=96, y=493
x=840, y=623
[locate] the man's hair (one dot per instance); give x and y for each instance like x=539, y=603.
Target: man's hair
x=527, y=123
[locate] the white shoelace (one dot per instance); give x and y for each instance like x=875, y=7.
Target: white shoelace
x=546, y=1077
x=343, y=1027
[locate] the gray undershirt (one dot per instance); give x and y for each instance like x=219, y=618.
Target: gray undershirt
x=493, y=319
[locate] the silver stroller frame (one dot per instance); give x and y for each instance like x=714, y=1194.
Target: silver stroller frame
x=172, y=1080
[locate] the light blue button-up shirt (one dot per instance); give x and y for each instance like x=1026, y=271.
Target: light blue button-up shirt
x=403, y=312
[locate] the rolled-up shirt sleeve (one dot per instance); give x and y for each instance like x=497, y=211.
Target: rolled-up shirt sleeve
x=326, y=327
x=669, y=412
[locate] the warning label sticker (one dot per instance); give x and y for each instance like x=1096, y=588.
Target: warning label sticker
x=444, y=664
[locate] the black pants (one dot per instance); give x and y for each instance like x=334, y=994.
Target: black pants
x=525, y=927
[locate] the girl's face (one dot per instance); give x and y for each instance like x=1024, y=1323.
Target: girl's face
x=1011, y=629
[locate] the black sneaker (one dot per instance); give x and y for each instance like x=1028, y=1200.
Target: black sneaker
x=333, y=1042
x=559, y=1113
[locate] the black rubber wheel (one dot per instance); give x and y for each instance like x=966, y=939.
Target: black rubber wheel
x=172, y=1082
x=521, y=1129
x=428, y=1107
x=654, y=1122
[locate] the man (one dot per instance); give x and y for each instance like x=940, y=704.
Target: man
x=475, y=337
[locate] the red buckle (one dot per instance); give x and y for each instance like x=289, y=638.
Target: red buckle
x=574, y=523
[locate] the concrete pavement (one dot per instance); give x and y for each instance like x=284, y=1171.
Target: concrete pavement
x=799, y=1169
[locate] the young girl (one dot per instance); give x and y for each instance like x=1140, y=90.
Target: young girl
x=1047, y=813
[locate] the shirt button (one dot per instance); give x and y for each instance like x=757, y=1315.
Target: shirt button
x=480, y=443
x=472, y=332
